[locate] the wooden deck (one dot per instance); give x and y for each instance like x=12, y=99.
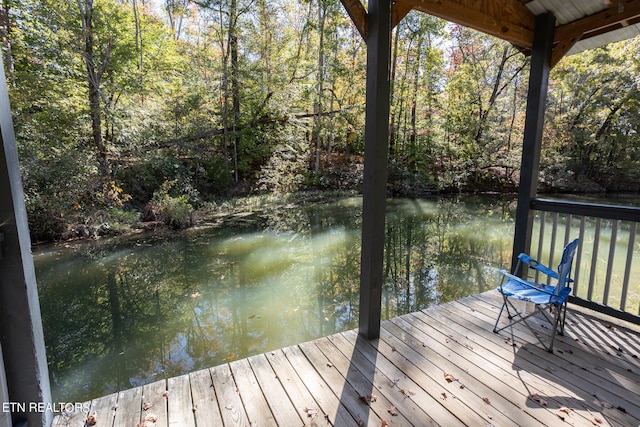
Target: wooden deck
x=442, y=366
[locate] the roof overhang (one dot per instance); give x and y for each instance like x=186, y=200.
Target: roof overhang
x=580, y=24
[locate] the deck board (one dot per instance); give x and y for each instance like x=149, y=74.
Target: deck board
x=592, y=378
x=205, y=402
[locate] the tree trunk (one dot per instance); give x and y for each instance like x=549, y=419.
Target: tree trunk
x=94, y=79
x=235, y=87
x=392, y=84
x=322, y=12
x=5, y=28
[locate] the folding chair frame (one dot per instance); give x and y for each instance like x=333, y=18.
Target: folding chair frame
x=559, y=310
x=558, y=318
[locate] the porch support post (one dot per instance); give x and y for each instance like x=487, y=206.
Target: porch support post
x=533, y=127
x=21, y=336
x=376, y=148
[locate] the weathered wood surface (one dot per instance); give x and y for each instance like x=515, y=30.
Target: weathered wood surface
x=442, y=366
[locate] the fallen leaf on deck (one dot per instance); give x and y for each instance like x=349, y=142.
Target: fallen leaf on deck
x=486, y=400
x=611, y=327
x=146, y=406
x=311, y=413
x=165, y=394
x=393, y=348
x=330, y=365
x=444, y=395
x=461, y=385
x=384, y=423
x=148, y=421
x=597, y=420
x=566, y=410
x=607, y=405
x=621, y=409
x=92, y=419
x=393, y=411
x=450, y=378
x=360, y=422
x=369, y=398
x=538, y=399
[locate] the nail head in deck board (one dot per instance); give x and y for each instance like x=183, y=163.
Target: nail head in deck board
x=129, y=408
x=204, y=399
x=295, y=388
x=154, y=395
x=331, y=391
x=233, y=413
x=180, y=406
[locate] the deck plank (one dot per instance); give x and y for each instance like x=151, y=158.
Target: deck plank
x=205, y=402
x=592, y=378
x=180, y=409
x=283, y=411
x=229, y=401
x=582, y=385
x=361, y=384
x=332, y=393
x=411, y=383
x=154, y=402
x=601, y=369
x=104, y=409
x=306, y=406
x=129, y=408
x=250, y=392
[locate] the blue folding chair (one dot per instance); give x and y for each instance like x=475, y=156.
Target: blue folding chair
x=552, y=297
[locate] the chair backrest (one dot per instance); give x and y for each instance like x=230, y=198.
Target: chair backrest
x=564, y=268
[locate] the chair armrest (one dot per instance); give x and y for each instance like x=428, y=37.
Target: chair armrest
x=536, y=265
x=538, y=287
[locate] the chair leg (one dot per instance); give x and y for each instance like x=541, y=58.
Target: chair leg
x=495, y=327
x=556, y=319
x=564, y=316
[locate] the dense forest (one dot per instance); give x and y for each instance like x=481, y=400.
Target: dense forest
x=149, y=109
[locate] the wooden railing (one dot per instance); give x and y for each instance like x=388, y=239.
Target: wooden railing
x=607, y=264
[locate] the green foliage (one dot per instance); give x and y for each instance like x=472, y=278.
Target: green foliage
x=173, y=210
x=287, y=167
x=288, y=112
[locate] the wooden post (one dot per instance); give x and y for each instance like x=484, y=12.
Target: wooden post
x=533, y=127
x=21, y=336
x=376, y=147
x=5, y=417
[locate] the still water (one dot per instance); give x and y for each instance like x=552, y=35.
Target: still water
x=123, y=312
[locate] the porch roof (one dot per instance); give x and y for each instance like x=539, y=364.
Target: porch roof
x=580, y=25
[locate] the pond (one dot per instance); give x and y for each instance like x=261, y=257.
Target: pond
x=123, y=312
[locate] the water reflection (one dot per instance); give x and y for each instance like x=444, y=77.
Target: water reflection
x=125, y=312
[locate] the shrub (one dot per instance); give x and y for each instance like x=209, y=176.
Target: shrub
x=173, y=210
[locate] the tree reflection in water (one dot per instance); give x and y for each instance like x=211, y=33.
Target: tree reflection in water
x=128, y=311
